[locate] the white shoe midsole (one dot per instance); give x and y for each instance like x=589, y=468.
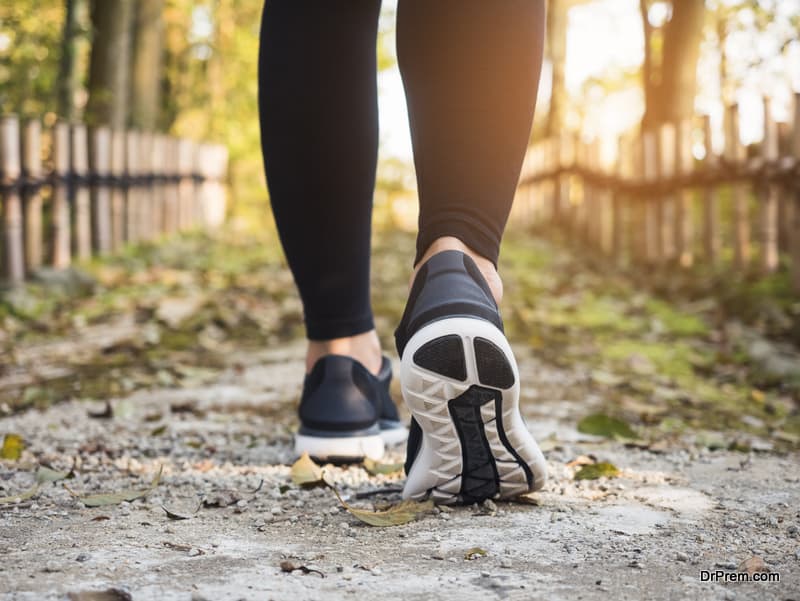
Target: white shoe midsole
x=372, y=446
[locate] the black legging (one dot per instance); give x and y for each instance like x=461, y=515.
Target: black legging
x=471, y=72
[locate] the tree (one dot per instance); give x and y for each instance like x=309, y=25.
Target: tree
x=109, y=72
x=669, y=72
x=147, y=64
x=68, y=77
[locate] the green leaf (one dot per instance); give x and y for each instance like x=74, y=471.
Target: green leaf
x=45, y=474
x=402, y=513
x=115, y=498
x=306, y=473
x=12, y=448
x=597, y=470
x=381, y=469
x=600, y=424
x=24, y=496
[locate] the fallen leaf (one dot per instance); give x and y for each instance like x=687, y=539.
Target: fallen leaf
x=289, y=567
x=475, y=553
x=377, y=468
x=158, y=431
x=179, y=516
x=23, y=496
x=12, y=448
x=597, y=470
x=582, y=460
x=603, y=377
x=111, y=594
x=753, y=564
x=106, y=413
x=600, y=424
x=176, y=546
x=115, y=498
x=306, y=473
x=402, y=513
x=45, y=474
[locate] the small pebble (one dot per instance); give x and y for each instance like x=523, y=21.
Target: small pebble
x=83, y=557
x=194, y=552
x=681, y=556
x=505, y=562
x=344, y=526
x=277, y=510
x=51, y=566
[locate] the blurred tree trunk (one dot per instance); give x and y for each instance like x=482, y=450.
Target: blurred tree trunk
x=109, y=81
x=147, y=64
x=557, y=53
x=68, y=64
x=670, y=87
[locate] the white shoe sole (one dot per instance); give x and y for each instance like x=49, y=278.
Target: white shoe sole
x=460, y=380
x=345, y=448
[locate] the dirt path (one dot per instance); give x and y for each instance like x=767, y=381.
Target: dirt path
x=220, y=426
x=647, y=534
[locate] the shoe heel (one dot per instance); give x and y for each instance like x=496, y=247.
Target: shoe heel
x=460, y=381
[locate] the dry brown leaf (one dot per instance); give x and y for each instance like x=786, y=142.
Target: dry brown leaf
x=306, y=473
x=402, y=513
x=753, y=564
x=376, y=468
x=115, y=498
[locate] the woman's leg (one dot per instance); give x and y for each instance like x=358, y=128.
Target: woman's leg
x=319, y=130
x=471, y=73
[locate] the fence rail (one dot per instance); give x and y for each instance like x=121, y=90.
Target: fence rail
x=71, y=192
x=655, y=204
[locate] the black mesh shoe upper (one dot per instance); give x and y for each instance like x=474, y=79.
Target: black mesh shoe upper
x=449, y=284
x=342, y=398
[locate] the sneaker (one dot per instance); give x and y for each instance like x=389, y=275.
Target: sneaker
x=346, y=412
x=468, y=441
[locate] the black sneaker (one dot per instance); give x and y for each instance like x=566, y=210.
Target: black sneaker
x=468, y=441
x=346, y=412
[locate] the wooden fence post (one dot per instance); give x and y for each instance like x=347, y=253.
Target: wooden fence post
x=770, y=194
x=186, y=185
x=145, y=193
x=794, y=238
x=118, y=212
x=62, y=231
x=82, y=202
x=684, y=222
x=711, y=162
x=100, y=165
x=618, y=203
x=651, y=206
x=132, y=204
x=667, y=213
x=158, y=171
x=736, y=155
x=172, y=200
x=32, y=167
x=11, y=171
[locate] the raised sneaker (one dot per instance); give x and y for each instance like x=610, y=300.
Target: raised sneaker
x=468, y=441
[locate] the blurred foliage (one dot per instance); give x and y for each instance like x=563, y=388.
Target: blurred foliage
x=30, y=38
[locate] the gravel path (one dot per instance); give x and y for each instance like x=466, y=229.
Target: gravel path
x=675, y=510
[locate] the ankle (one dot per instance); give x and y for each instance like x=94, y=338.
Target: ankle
x=364, y=348
x=485, y=266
